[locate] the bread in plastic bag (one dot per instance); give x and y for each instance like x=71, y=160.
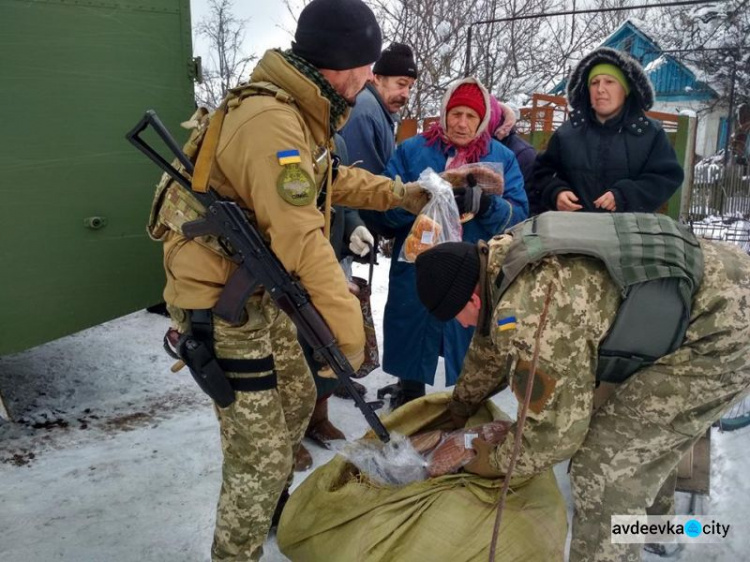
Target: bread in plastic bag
x=456, y=449
x=437, y=223
x=487, y=175
x=395, y=463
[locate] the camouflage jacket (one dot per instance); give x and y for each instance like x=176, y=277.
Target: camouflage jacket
x=584, y=302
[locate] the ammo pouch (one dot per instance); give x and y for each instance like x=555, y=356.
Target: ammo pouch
x=196, y=349
x=173, y=206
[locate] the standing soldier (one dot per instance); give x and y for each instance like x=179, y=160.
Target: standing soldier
x=678, y=344
x=271, y=154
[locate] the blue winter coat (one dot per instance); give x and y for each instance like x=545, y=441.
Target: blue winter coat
x=413, y=339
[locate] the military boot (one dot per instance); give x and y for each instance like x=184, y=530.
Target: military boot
x=408, y=391
x=320, y=428
x=302, y=459
x=279, y=508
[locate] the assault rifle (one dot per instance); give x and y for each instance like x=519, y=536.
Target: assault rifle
x=258, y=266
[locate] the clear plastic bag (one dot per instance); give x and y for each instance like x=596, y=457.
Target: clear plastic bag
x=424, y=455
x=438, y=222
x=395, y=463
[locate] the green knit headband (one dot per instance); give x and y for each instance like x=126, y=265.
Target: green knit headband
x=610, y=70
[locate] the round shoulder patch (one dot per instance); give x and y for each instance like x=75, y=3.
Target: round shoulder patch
x=295, y=186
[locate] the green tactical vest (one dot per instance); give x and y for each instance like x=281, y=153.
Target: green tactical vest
x=656, y=263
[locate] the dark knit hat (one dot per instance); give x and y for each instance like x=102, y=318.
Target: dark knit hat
x=396, y=60
x=469, y=95
x=337, y=34
x=446, y=278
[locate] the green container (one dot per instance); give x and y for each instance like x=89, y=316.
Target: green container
x=76, y=76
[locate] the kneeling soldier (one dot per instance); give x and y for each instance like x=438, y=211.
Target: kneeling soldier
x=635, y=300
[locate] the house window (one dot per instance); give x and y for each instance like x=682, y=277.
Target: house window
x=627, y=44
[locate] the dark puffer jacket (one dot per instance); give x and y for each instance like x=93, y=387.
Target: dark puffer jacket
x=628, y=155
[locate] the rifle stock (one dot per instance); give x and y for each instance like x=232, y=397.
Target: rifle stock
x=258, y=266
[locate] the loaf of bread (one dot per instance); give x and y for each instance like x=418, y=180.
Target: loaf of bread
x=483, y=175
x=424, y=234
x=425, y=442
x=425, y=229
x=456, y=448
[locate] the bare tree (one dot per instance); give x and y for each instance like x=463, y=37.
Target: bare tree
x=226, y=65
x=714, y=40
x=513, y=58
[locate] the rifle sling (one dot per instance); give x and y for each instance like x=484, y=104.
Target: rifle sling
x=205, y=160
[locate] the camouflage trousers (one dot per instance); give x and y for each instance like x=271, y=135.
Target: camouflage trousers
x=637, y=438
x=260, y=431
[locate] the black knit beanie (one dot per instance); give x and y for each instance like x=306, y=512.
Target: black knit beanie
x=396, y=60
x=446, y=278
x=337, y=34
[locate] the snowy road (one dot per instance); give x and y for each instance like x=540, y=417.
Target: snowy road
x=112, y=457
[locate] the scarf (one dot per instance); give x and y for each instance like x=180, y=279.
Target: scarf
x=338, y=103
x=468, y=154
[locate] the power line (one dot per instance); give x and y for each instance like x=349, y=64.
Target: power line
x=571, y=12
x=594, y=11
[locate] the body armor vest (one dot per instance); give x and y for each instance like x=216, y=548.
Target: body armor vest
x=656, y=263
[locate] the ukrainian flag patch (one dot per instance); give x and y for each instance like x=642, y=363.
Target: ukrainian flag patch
x=507, y=323
x=288, y=157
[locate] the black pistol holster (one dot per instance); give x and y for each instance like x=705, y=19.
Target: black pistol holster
x=195, y=348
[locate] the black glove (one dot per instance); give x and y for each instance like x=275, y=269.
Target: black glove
x=472, y=200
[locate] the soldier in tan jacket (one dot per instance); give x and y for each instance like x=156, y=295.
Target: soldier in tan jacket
x=624, y=452
x=273, y=157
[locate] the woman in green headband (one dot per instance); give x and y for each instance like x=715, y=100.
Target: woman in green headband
x=608, y=89
x=609, y=156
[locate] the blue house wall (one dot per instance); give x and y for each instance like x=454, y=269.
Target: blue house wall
x=672, y=80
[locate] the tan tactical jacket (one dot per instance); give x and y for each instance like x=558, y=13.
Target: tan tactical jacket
x=248, y=169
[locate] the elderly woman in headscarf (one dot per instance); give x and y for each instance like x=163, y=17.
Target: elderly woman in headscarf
x=502, y=126
x=609, y=156
x=413, y=340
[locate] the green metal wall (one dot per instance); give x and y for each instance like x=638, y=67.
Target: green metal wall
x=74, y=78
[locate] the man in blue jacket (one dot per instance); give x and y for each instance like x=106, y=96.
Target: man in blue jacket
x=370, y=133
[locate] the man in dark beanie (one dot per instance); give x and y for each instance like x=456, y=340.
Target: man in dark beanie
x=370, y=133
x=630, y=299
x=268, y=147
x=337, y=35
x=452, y=280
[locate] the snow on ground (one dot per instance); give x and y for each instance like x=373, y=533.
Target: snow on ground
x=112, y=457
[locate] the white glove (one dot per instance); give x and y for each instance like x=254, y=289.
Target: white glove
x=359, y=240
